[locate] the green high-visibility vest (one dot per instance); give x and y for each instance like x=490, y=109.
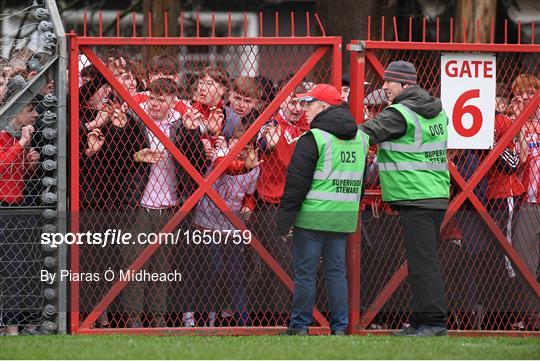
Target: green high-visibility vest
x=414, y=166
x=333, y=200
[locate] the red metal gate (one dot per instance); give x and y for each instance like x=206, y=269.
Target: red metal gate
x=489, y=285
x=482, y=292
x=102, y=193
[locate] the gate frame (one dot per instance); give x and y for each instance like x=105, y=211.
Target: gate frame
x=83, y=44
x=362, y=52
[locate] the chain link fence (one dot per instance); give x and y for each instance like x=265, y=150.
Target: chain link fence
x=486, y=288
x=160, y=126
x=32, y=169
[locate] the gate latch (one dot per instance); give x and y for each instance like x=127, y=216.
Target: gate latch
x=356, y=47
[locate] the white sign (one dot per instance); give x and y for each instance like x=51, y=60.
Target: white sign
x=468, y=98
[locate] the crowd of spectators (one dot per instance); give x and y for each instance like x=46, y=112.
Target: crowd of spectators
x=125, y=166
x=21, y=142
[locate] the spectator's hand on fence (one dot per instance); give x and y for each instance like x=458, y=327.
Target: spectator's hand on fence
x=251, y=158
x=245, y=213
x=214, y=123
x=118, y=116
x=117, y=65
x=26, y=135
x=288, y=236
x=48, y=88
x=272, y=134
x=209, y=150
x=148, y=155
x=192, y=119
x=221, y=143
x=95, y=142
x=18, y=68
x=101, y=119
x=32, y=157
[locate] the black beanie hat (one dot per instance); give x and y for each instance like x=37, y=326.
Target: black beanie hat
x=401, y=72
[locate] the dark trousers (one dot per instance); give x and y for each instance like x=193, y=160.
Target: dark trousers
x=227, y=280
x=420, y=232
x=149, y=221
x=268, y=293
x=308, y=246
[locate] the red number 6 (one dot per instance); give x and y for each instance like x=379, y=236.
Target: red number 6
x=459, y=110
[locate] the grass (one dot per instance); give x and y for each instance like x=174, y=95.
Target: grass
x=266, y=347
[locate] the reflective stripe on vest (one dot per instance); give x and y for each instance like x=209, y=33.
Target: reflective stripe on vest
x=417, y=146
x=339, y=197
x=413, y=166
x=333, y=200
x=327, y=170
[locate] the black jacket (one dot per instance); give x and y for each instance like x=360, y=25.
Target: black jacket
x=390, y=124
x=190, y=144
x=111, y=178
x=187, y=141
x=336, y=120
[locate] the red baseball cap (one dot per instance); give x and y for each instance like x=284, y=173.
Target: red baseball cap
x=323, y=92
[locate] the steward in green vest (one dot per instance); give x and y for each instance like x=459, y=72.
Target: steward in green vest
x=414, y=166
x=324, y=179
x=333, y=200
x=413, y=170
x=321, y=199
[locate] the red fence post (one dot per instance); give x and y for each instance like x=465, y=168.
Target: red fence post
x=356, y=96
x=354, y=255
x=336, y=64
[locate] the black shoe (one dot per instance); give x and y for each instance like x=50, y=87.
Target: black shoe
x=339, y=333
x=428, y=331
x=296, y=332
x=405, y=331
